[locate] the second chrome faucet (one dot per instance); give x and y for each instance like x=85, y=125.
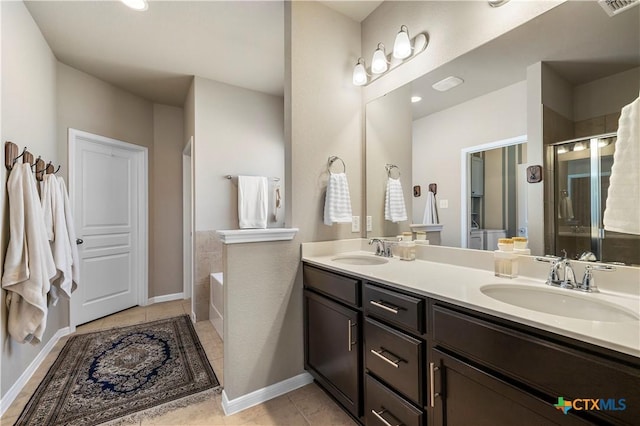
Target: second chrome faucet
x=568, y=279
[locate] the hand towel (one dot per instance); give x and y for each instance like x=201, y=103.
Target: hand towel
x=430, y=211
x=337, y=202
x=253, y=202
x=566, y=208
x=623, y=201
x=71, y=233
x=394, y=207
x=28, y=265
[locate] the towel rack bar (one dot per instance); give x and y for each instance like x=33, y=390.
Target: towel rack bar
x=276, y=179
x=11, y=157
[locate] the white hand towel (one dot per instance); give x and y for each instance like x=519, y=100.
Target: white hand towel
x=337, y=202
x=253, y=202
x=430, y=211
x=566, y=208
x=75, y=259
x=394, y=207
x=622, y=212
x=28, y=265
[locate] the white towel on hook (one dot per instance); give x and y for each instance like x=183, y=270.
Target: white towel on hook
x=253, y=202
x=28, y=264
x=394, y=207
x=53, y=210
x=430, y=211
x=71, y=234
x=623, y=199
x=337, y=202
x=566, y=208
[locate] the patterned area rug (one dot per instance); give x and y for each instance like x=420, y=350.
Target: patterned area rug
x=119, y=375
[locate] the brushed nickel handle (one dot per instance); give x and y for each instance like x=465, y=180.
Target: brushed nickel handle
x=385, y=359
x=351, y=342
x=380, y=305
x=432, y=384
x=379, y=414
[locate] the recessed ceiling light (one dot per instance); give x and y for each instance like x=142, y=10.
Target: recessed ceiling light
x=497, y=3
x=139, y=5
x=447, y=83
x=415, y=99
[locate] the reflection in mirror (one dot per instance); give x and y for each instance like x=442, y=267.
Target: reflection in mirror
x=522, y=83
x=582, y=172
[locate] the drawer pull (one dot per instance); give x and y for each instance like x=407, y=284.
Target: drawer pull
x=432, y=384
x=385, y=359
x=392, y=309
x=350, y=337
x=379, y=414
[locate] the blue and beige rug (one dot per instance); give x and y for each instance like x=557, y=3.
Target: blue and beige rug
x=123, y=374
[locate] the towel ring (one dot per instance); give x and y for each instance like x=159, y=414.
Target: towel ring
x=390, y=167
x=332, y=160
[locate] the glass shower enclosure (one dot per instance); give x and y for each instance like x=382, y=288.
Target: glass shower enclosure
x=581, y=181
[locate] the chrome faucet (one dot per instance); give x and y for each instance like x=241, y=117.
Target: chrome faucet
x=568, y=280
x=383, y=247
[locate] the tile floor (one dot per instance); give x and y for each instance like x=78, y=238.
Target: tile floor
x=308, y=405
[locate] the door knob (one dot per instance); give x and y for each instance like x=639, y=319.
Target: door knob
x=79, y=241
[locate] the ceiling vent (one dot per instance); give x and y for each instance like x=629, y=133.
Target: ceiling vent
x=613, y=7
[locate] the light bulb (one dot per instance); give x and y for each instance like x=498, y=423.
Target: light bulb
x=562, y=150
x=139, y=5
x=379, y=61
x=579, y=147
x=402, y=45
x=360, y=73
x=415, y=99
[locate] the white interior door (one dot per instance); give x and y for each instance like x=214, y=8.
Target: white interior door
x=108, y=195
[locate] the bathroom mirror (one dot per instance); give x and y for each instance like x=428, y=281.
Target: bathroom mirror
x=590, y=69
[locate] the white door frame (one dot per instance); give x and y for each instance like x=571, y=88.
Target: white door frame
x=465, y=180
x=188, y=233
x=142, y=257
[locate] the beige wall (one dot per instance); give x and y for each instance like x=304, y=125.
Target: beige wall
x=326, y=115
x=453, y=27
x=168, y=143
x=389, y=141
x=606, y=95
x=493, y=195
x=469, y=124
x=237, y=132
x=28, y=119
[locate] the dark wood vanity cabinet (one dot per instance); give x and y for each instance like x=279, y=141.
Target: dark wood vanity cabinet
x=391, y=357
x=332, y=332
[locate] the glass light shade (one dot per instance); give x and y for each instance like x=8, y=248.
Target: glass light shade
x=136, y=4
x=580, y=146
x=379, y=61
x=359, y=74
x=562, y=150
x=402, y=45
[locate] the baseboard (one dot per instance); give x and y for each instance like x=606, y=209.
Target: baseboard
x=13, y=392
x=165, y=298
x=265, y=394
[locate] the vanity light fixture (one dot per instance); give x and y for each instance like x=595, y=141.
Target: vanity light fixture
x=403, y=49
x=603, y=142
x=139, y=5
x=415, y=99
x=360, y=73
x=379, y=62
x=562, y=150
x=447, y=83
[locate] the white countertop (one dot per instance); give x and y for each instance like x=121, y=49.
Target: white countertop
x=461, y=286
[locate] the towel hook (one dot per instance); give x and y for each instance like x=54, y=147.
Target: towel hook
x=433, y=187
x=15, y=160
x=332, y=160
x=390, y=167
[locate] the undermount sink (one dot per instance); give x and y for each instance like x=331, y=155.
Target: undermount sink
x=558, y=302
x=360, y=259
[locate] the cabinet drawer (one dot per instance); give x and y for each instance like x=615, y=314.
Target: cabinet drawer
x=383, y=405
x=406, y=311
x=396, y=358
x=342, y=288
x=548, y=366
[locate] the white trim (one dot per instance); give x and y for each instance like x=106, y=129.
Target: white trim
x=465, y=179
x=17, y=387
x=187, y=220
x=237, y=236
x=165, y=298
x=265, y=394
x=143, y=208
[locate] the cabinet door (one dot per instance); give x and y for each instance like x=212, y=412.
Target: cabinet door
x=332, y=349
x=461, y=394
x=477, y=177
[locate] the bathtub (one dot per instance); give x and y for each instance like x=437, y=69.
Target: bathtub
x=216, y=302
